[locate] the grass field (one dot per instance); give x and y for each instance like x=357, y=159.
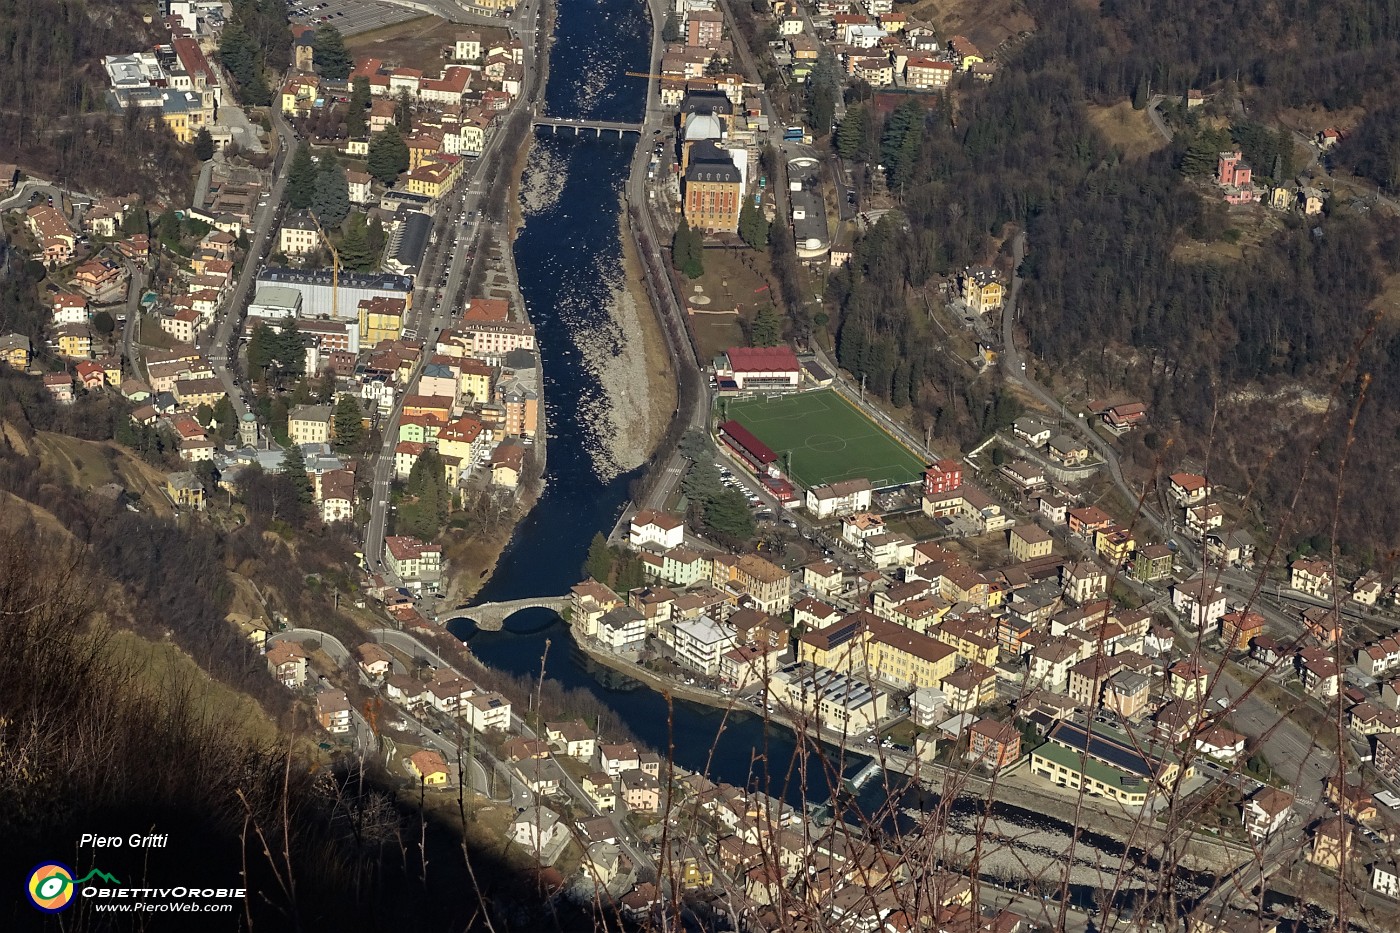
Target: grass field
x=828, y=439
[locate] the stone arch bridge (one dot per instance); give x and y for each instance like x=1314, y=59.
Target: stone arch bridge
x=492, y=616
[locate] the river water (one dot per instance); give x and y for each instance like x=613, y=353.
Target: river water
x=569, y=258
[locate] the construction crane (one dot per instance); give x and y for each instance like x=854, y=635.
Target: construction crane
x=335, y=265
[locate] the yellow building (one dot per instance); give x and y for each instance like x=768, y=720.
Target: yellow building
x=203, y=391
x=1115, y=545
x=981, y=290
x=452, y=469
x=768, y=584
x=431, y=180
x=185, y=490
x=904, y=658
x=185, y=113
x=962, y=584
x=1104, y=763
x=695, y=874
x=920, y=614
x=1030, y=542
x=14, y=351
x=298, y=96
x=840, y=646
x=74, y=341
x=429, y=767
x=381, y=318
x=973, y=640
x=459, y=439
x=421, y=150
x=474, y=378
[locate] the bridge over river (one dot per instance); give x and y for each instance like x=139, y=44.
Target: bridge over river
x=491, y=617
x=599, y=127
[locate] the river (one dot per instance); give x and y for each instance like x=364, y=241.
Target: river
x=569, y=257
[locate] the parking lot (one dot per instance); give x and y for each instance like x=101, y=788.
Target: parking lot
x=349, y=16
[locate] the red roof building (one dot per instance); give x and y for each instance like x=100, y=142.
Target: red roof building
x=761, y=368
x=487, y=310
x=943, y=476
x=757, y=454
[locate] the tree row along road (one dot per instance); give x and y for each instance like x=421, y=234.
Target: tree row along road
x=692, y=399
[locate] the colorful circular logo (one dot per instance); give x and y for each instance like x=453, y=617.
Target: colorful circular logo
x=51, y=887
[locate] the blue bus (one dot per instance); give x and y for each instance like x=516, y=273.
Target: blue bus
x=792, y=134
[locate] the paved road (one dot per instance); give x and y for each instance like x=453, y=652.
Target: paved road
x=1014, y=367
x=520, y=794
x=1155, y=115
x=333, y=647
x=1289, y=748
x=671, y=316
x=408, y=645
x=625, y=838
x=133, y=311
x=223, y=348
x=27, y=189
x=430, y=317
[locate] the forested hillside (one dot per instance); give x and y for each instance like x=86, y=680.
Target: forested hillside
x=54, y=118
x=93, y=743
x=1111, y=301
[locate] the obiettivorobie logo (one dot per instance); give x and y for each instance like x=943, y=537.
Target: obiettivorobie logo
x=52, y=887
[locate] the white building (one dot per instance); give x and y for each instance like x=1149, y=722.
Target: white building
x=309, y=424
x=333, y=711
x=839, y=702
x=487, y=711
x=623, y=630
x=448, y=695
x=843, y=498
x=650, y=526
x=700, y=643
x=761, y=369
x=273, y=303
x=536, y=829
x=1385, y=879
x=928, y=707
x=1200, y=603
x=319, y=294
x=298, y=236
x=413, y=560
x=70, y=309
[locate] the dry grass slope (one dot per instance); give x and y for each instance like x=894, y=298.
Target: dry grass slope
x=164, y=668
x=88, y=464
x=987, y=24
x=1128, y=130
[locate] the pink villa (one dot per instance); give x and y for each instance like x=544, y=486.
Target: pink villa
x=1237, y=178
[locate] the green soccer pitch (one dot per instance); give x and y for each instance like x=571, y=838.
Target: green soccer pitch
x=820, y=437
